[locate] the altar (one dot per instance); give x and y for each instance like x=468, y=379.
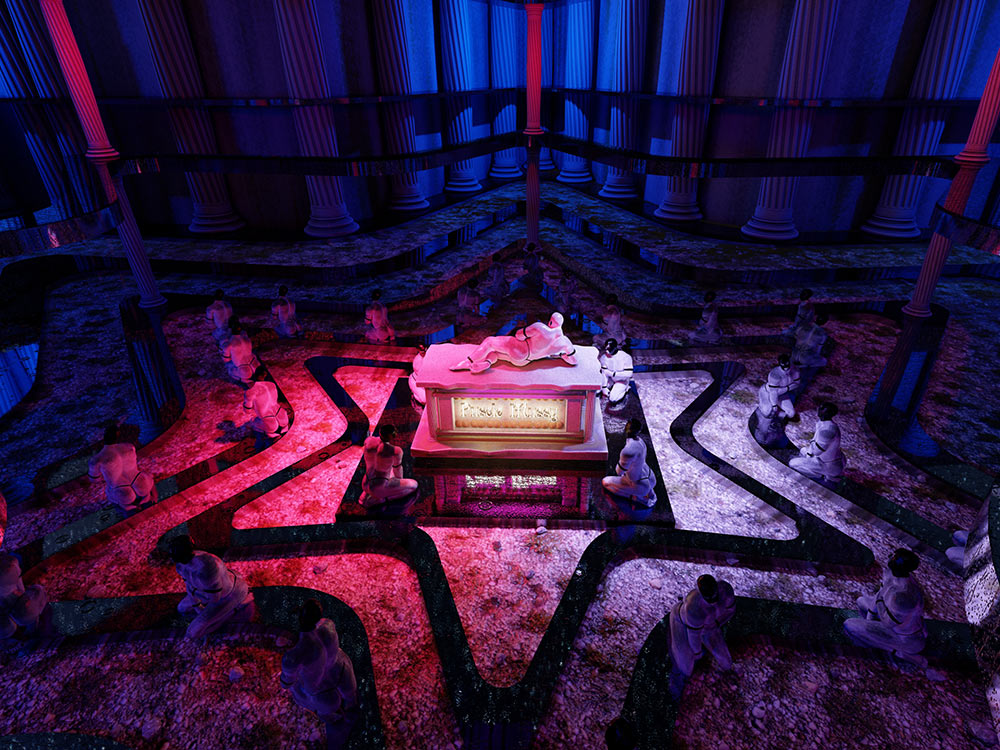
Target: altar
x=539, y=426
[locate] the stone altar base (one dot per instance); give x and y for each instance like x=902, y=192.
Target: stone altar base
x=545, y=414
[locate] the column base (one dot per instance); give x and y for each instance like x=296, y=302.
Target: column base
x=901, y=227
x=462, y=184
x=767, y=229
x=545, y=162
x=678, y=211
x=207, y=221
x=331, y=226
x=916, y=312
x=574, y=175
x=407, y=201
x=505, y=172
x=617, y=190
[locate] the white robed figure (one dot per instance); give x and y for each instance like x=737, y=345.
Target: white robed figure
x=377, y=319
x=616, y=367
x=809, y=342
x=219, y=313
x=320, y=674
x=633, y=479
x=117, y=464
x=283, y=310
x=823, y=458
x=696, y=621
x=774, y=403
x=528, y=344
x=892, y=618
x=384, y=480
x=709, y=331
x=215, y=594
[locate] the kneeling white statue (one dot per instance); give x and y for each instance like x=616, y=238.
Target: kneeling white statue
x=634, y=480
x=116, y=462
x=528, y=344
x=215, y=594
x=379, y=330
x=809, y=341
x=418, y=394
x=219, y=313
x=774, y=405
x=709, y=331
x=286, y=324
x=696, y=621
x=616, y=367
x=238, y=354
x=383, y=480
x=320, y=675
x=822, y=459
x=892, y=619
x=270, y=417
x=20, y=606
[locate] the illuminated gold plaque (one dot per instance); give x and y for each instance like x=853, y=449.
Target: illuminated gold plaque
x=490, y=414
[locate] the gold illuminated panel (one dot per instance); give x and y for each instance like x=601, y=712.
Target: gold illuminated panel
x=501, y=414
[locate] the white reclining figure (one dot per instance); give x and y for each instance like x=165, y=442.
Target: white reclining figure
x=377, y=319
x=528, y=344
x=822, y=458
x=320, y=675
x=215, y=594
x=892, y=619
x=634, y=480
x=616, y=367
x=383, y=480
x=116, y=462
x=696, y=622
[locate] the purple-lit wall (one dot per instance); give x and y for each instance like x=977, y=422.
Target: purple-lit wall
x=875, y=50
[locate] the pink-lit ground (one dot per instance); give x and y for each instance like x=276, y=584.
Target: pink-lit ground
x=506, y=582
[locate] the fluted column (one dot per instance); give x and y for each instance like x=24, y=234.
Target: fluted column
x=806, y=53
x=85, y=194
x=937, y=76
x=99, y=150
x=630, y=45
x=533, y=67
x=503, y=75
x=397, y=117
x=545, y=162
x=180, y=78
x=970, y=159
x=699, y=54
x=37, y=132
x=456, y=58
x=305, y=73
x=579, y=75
x=533, y=191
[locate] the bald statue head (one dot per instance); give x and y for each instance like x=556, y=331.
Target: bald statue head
x=181, y=549
x=556, y=320
x=708, y=587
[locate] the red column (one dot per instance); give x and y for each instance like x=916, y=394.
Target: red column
x=970, y=160
x=99, y=149
x=534, y=63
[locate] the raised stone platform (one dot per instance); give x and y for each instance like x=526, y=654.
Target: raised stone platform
x=546, y=410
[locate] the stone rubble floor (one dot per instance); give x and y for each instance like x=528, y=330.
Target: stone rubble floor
x=506, y=582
